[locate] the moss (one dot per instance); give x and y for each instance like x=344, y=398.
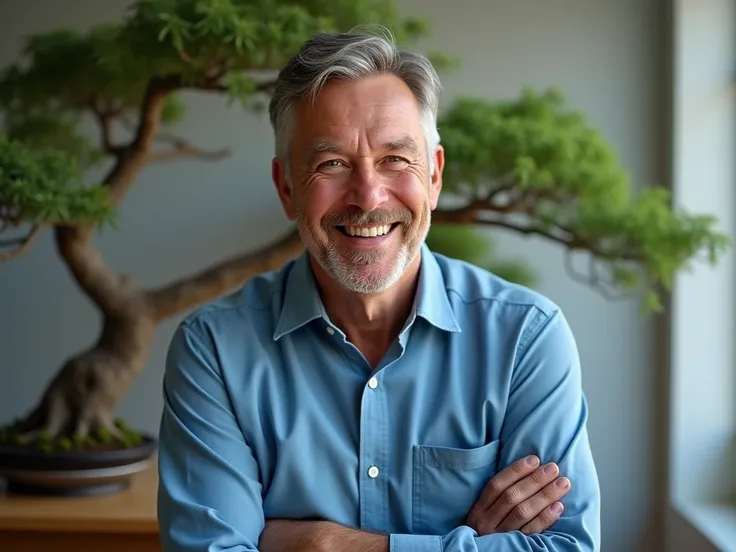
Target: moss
x=9, y=435
x=103, y=436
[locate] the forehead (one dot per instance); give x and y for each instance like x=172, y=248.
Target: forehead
x=359, y=114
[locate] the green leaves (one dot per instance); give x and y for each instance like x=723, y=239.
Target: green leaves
x=211, y=44
x=539, y=167
x=531, y=164
x=240, y=87
x=42, y=186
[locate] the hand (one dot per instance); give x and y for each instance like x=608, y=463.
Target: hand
x=522, y=497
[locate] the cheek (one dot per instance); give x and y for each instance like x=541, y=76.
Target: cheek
x=410, y=190
x=316, y=203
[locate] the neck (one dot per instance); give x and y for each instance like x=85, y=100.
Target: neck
x=371, y=322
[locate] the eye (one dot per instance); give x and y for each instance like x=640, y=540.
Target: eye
x=331, y=164
x=396, y=162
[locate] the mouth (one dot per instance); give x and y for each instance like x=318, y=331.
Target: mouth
x=375, y=231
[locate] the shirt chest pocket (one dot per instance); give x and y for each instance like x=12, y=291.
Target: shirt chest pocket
x=446, y=483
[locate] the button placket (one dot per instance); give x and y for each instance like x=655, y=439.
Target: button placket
x=374, y=457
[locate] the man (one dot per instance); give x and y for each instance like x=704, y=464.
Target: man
x=371, y=395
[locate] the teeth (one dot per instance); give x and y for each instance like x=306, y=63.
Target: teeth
x=367, y=231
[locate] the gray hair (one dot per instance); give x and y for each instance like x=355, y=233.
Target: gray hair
x=346, y=57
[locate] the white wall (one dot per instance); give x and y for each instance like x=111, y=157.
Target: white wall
x=703, y=435
x=604, y=55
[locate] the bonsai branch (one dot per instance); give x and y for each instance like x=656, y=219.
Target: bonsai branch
x=18, y=246
x=105, y=118
x=502, y=208
x=594, y=277
x=557, y=234
x=183, y=149
x=111, y=292
x=134, y=157
x=216, y=85
x=131, y=159
x=216, y=280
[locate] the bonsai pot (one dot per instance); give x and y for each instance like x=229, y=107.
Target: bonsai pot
x=101, y=470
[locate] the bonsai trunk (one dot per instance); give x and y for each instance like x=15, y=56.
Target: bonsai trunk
x=80, y=400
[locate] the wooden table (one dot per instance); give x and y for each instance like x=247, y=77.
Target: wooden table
x=122, y=522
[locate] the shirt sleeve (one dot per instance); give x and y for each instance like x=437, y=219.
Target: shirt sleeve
x=209, y=496
x=546, y=415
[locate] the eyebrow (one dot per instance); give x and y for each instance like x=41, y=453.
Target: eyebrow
x=321, y=146
x=403, y=143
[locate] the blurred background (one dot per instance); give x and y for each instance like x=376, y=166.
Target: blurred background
x=656, y=77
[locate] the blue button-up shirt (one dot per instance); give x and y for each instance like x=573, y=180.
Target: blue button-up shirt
x=269, y=412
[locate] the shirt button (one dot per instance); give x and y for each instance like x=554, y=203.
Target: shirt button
x=330, y=330
x=373, y=472
x=373, y=383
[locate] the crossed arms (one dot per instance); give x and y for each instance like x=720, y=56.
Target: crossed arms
x=210, y=497
x=522, y=497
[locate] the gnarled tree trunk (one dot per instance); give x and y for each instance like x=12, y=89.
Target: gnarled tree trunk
x=81, y=399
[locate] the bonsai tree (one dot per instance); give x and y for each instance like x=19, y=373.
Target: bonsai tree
x=531, y=165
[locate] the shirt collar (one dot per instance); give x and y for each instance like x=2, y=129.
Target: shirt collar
x=431, y=302
x=302, y=302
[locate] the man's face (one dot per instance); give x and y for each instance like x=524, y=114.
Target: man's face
x=361, y=191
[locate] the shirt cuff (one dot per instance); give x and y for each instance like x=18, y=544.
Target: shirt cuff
x=415, y=543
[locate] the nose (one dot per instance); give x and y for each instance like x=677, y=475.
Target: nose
x=366, y=190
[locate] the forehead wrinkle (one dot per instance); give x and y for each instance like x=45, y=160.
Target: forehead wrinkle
x=389, y=134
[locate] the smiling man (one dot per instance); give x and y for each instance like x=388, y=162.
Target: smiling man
x=371, y=396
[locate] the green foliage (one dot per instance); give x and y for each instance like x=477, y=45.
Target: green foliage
x=207, y=43
x=466, y=242
x=43, y=186
x=531, y=165
x=538, y=167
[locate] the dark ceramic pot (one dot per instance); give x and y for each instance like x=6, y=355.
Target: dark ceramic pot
x=31, y=471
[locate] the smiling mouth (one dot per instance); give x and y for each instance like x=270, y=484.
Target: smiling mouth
x=367, y=231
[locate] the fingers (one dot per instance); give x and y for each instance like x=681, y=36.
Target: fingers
x=517, y=494
x=544, y=520
x=505, y=479
x=537, y=506
x=477, y=517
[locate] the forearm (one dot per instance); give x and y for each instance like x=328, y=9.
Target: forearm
x=343, y=539
x=324, y=536
x=464, y=539
x=318, y=536
x=330, y=537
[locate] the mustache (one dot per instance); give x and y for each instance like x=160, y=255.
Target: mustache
x=369, y=218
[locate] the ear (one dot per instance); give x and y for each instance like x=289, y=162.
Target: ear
x=435, y=179
x=286, y=193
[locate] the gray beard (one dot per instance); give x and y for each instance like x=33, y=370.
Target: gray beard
x=343, y=269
